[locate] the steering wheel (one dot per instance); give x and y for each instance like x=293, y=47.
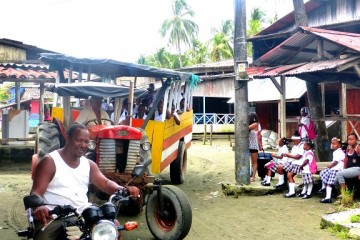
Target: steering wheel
x=95, y=120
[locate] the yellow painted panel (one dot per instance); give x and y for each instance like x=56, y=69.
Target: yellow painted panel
x=58, y=113
x=149, y=129
x=186, y=119
x=156, y=153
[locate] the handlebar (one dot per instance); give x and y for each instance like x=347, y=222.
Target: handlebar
x=120, y=195
x=63, y=211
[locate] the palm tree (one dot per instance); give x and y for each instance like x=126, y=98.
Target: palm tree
x=221, y=48
x=255, y=25
x=161, y=59
x=222, y=41
x=227, y=27
x=179, y=28
x=198, y=53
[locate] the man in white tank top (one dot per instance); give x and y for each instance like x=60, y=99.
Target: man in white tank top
x=63, y=176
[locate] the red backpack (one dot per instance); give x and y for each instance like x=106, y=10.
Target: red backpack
x=311, y=130
x=312, y=164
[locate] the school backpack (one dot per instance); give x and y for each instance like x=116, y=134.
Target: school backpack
x=311, y=130
x=312, y=164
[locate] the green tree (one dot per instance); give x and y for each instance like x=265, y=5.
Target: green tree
x=180, y=29
x=227, y=28
x=221, y=48
x=161, y=59
x=5, y=92
x=254, y=26
x=222, y=42
x=198, y=53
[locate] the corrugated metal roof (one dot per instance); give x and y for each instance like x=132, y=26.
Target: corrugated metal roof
x=263, y=90
x=319, y=66
x=33, y=92
x=220, y=64
x=302, y=46
x=29, y=72
x=300, y=68
x=257, y=72
x=21, y=45
x=346, y=39
x=14, y=104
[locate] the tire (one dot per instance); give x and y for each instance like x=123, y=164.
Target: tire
x=47, y=139
x=178, y=166
x=177, y=225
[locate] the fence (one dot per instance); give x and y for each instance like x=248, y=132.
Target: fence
x=213, y=118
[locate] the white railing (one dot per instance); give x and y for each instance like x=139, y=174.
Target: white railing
x=213, y=118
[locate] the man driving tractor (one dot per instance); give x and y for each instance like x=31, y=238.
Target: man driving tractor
x=93, y=112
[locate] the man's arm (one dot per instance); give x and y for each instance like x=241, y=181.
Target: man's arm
x=100, y=181
x=44, y=173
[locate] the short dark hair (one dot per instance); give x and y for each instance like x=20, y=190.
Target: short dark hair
x=310, y=143
x=253, y=118
x=353, y=134
x=71, y=131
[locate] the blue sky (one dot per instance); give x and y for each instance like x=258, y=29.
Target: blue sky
x=117, y=29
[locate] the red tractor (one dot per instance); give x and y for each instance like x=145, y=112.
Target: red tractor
x=117, y=149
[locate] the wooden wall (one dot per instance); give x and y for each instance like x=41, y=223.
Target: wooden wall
x=268, y=115
x=215, y=88
x=8, y=53
x=353, y=106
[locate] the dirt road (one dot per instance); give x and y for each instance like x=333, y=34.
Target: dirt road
x=214, y=216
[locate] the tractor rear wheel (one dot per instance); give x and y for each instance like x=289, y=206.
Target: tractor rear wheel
x=47, y=139
x=178, y=166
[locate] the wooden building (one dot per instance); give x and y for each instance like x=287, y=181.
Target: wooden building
x=214, y=95
x=327, y=47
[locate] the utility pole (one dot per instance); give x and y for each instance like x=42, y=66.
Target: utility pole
x=242, y=161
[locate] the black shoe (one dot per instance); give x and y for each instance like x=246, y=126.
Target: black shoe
x=289, y=195
x=278, y=186
x=265, y=184
x=326, y=200
x=321, y=190
x=306, y=196
x=300, y=195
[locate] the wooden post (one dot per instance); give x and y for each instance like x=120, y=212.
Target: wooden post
x=131, y=101
x=89, y=74
x=343, y=112
x=283, y=107
x=322, y=146
x=211, y=132
x=41, y=106
x=17, y=95
x=322, y=85
x=70, y=73
x=204, y=138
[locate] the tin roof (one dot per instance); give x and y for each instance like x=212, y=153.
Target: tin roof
x=302, y=47
x=33, y=92
x=300, y=68
x=25, y=72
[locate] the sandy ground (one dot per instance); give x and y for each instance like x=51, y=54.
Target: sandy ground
x=214, y=216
